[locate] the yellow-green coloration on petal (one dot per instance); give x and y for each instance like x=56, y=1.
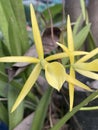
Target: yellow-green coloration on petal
x=71, y=57
x=28, y=85
x=89, y=74
x=71, y=88
x=56, y=56
x=36, y=34
x=69, y=35
x=71, y=54
x=76, y=82
x=55, y=74
x=68, y=53
x=88, y=56
x=19, y=59
x=90, y=66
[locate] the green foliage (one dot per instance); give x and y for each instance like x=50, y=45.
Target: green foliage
x=80, y=38
x=13, y=23
x=41, y=110
x=15, y=43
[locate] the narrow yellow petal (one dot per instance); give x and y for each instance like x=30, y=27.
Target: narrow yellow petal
x=76, y=82
x=64, y=48
x=91, y=66
x=71, y=89
x=88, y=56
x=19, y=59
x=69, y=35
x=89, y=74
x=28, y=85
x=71, y=95
x=76, y=53
x=56, y=56
x=63, y=55
x=55, y=74
x=36, y=34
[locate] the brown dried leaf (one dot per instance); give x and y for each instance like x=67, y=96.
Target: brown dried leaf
x=49, y=42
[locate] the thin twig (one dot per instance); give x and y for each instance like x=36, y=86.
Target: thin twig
x=51, y=22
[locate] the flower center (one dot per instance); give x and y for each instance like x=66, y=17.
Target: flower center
x=43, y=63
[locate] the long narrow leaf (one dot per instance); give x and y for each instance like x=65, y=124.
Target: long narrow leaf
x=17, y=85
x=82, y=2
x=14, y=118
x=19, y=13
x=41, y=111
x=81, y=37
x=67, y=116
x=77, y=25
x=11, y=21
x=3, y=113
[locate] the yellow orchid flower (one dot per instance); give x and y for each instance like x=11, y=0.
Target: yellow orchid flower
x=54, y=72
x=88, y=68
x=72, y=53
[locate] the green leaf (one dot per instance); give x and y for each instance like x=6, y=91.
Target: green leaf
x=3, y=88
x=41, y=110
x=13, y=33
x=67, y=116
x=11, y=22
x=4, y=26
x=15, y=117
x=14, y=40
x=2, y=67
x=3, y=113
x=18, y=10
x=91, y=41
x=77, y=25
x=17, y=85
x=81, y=37
x=55, y=11
x=82, y=2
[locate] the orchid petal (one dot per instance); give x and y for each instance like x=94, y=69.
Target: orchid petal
x=19, y=59
x=69, y=35
x=91, y=66
x=89, y=74
x=71, y=89
x=88, y=56
x=56, y=56
x=63, y=47
x=76, y=82
x=55, y=74
x=76, y=53
x=71, y=95
x=36, y=34
x=28, y=85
